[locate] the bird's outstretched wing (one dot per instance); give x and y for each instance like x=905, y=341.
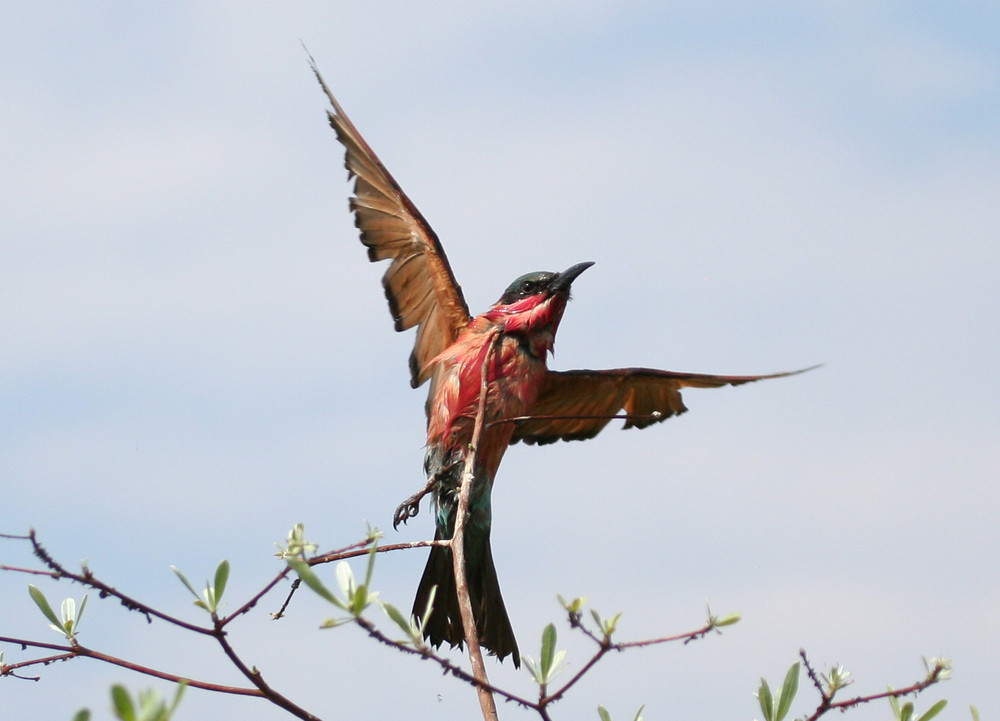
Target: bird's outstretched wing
x=419, y=284
x=576, y=405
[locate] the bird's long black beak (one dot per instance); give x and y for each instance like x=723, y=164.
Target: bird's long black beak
x=566, y=278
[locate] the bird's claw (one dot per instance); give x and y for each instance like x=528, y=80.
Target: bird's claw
x=411, y=506
x=407, y=509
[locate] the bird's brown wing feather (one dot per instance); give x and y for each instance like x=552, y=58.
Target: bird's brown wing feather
x=419, y=283
x=576, y=405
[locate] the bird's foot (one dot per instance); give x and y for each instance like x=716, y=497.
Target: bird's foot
x=407, y=509
x=411, y=506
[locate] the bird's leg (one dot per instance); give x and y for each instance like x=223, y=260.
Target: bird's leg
x=411, y=506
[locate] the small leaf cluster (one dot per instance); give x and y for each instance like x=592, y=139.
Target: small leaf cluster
x=354, y=597
x=550, y=662
x=296, y=545
x=413, y=627
x=606, y=627
x=775, y=706
x=68, y=622
x=905, y=711
x=147, y=706
x=605, y=716
x=211, y=597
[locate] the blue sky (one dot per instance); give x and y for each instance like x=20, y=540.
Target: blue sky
x=197, y=354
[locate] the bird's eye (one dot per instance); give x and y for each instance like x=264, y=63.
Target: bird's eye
x=528, y=287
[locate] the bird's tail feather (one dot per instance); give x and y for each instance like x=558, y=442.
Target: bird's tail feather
x=445, y=621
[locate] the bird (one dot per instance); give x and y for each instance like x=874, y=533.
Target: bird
x=503, y=351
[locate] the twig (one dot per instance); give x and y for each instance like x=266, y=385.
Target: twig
x=828, y=704
x=257, y=679
x=340, y=555
x=31, y=571
x=427, y=653
x=605, y=645
x=352, y=551
x=654, y=416
x=87, y=578
x=486, y=701
x=685, y=637
x=68, y=652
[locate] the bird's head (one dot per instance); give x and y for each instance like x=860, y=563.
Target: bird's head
x=535, y=301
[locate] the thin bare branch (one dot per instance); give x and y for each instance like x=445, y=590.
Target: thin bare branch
x=426, y=652
x=487, y=703
x=254, y=676
x=685, y=637
x=353, y=551
x=579, y=417
x=31, y=571
x=77, y=651
x=604, y=646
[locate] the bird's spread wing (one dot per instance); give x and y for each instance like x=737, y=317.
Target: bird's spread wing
x=419, y=284
x=576, y=405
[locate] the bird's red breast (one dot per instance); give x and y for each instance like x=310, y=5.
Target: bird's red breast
x=513, y=342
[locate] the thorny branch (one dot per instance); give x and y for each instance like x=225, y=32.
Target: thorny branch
x=217, y=630
x=936, y=674
x=68, y=652
x=427, y=653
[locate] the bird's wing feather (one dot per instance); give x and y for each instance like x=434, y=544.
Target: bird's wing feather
x=577, y=405
x=419, y=283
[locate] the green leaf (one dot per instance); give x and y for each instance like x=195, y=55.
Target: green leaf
x=603, y=713
x=124, y=709
x=548, y=650
x=187, y=584
x=728, y=620
x=371, y=565
x=181, y=688
x=429, y=608
x=397, y=617
x=573, y=606
x=221, y=578
x=305, y=572
x=43, y=605
x=79, y=614
x=68, y=611
x=345, y=579
x=788, y=691
x=360, y=600
x=933, y=710
x=975, y=712
x=82, y=715
x=638, y=714
x=766, y=701
x=894, y=704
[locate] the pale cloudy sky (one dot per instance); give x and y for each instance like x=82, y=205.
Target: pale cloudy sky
x=196, y=353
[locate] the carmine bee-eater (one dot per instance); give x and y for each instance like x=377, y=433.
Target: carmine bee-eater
x=525, y=401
